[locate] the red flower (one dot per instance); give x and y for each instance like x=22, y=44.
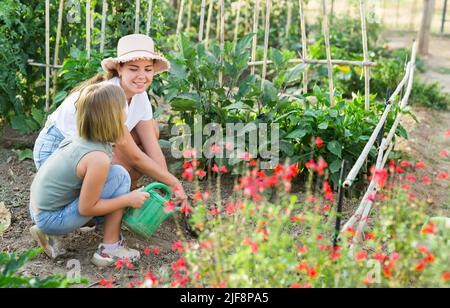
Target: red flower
x=169, y=207
x=442, y=176
x=215, y=169
x=188, y=174
x=446, y=276
x=107, y=283
x=362, y=255
x=430, y=258
x=319, y=142
x=311, y=164
x=147, y=251
x=420, y=165
x=253, y=163
x=405, y=164
x=198, y=196
x=253, y=245
x=411, y=178
x=178, y=246
x=429, y=229
x=119, y=264
x=186, y=209
x=422, y=249
x=230, y=209
x=426, y=180
x=223, y=169
x=447, y=134
x=370, y=236
x=303, y=249
x=201, y=173
x=188, y=153
x=312, y=273
x=328, y=191
x=295, y=286
x=444, y=153
x=321, y=167
x=215, y=149
x=156, y=251
x=420, y=266
x=214, y=211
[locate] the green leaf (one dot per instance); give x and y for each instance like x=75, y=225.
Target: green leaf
x=336, y=148
x=294, y=74
x=244, y=44
x=401, y=131
x=297, y=134
x=324, y=125
x=287, y=148
x=185, y=102
x=336, y=166
x=24, y=154
x=270, y=93
x=59, y=97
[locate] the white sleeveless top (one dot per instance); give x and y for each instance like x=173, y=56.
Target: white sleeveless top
x=65, y=117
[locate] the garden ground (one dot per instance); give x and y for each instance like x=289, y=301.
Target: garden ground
x=426, y=141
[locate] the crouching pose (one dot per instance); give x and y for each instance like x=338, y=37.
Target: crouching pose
x=78, y=183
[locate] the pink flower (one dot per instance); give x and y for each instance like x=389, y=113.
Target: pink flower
x=319, y=142
x=442, y=176
x=426, y=180
x=223, y=169
x=311, y=164
x=215, y=149
x=420, y=165
x=444, y=154
x=169, y=207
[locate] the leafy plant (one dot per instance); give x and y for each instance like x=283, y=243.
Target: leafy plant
x=10, y=277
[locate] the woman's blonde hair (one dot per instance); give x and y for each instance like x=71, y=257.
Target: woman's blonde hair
x=100, y=113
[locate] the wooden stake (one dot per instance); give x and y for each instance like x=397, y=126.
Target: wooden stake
x=208, y=23
x=266, y=42
x=255, y=33
x=189, y=17
x=136, y=18
x=222, y=38
x=88, y=29
x=304, y=44
x=202, y=21
x=288, y=20
x=366, y=54
x=149, y=17
x=58, y=38
x=103, y=27
x=180, y=18
x=326, y=33
x=425, y=29
x=47, y=55
x=236, y=25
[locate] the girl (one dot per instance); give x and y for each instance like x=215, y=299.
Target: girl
x=139, y=151
x=78, y=182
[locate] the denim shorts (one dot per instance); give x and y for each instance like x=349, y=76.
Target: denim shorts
x=46, y=144
x=68, y=219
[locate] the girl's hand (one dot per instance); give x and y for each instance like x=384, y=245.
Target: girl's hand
x=138, y=198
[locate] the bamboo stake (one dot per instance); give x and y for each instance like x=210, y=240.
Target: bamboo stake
x=103, y=27
x=304, y=44
x=88, y=29
x=289, y=19
x=266, y=42
x=189, y=17
x=202, y=21
x=319, y=62
x=136, y=18
x=218, y=25
x=366, y=54
x=58, y=38
x=149, y=17
x=47, y=55
x=255, y=34
x=222, y=39
x=326, y=33
x=180, y=18
x=238, y=17
x=208, y=23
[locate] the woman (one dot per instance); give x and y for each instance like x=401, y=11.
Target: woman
x=138, y=151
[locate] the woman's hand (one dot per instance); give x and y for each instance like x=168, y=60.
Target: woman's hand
x=180, y=195
x=137, y=198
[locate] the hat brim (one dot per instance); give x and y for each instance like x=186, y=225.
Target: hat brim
x=160, y=64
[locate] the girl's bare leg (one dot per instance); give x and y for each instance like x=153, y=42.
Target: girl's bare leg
x=113, y=223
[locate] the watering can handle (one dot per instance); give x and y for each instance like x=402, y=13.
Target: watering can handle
x=153, y=186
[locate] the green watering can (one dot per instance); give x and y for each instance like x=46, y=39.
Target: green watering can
x=146, y=220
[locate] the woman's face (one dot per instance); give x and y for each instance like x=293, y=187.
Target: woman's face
x=137, y=76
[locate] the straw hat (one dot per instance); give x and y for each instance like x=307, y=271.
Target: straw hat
x=136, y=47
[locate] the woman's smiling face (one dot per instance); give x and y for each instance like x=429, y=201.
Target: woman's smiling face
x=136, y=76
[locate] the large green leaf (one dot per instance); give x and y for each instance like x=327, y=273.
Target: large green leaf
x=336, y=148
x=297, y=134
x=294, y=74
x=186, y=102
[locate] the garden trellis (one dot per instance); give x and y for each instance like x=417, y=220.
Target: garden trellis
x=264, y=7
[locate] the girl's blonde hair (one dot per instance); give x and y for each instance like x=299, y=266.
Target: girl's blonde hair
x=100, y=113
x=100, y=77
